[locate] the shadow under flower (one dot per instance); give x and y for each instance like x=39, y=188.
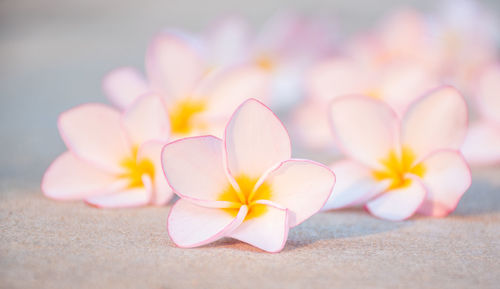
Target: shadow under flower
x=341, y=224
x=483, y=197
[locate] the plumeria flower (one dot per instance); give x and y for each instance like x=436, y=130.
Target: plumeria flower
x=198, y=98
x=465, y=37
x=244, y=186
x=482, y=145
x=113, y=159
x=399, y=166
x=397, y=84
x=286, y=45
x=401, y=36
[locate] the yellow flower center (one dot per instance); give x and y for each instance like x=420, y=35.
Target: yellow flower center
x=247, y=195
x=374, y=93
x=397, y=166
x=265, y=62
x=135, y=169
x=182, y=116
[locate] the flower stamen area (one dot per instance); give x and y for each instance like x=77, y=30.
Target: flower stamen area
x=182, y=114
x=397, y=166
x=246, y=195
x=265, y=62
x=135, y=169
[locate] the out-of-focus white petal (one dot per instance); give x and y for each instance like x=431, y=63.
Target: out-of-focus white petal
x=365, y=129
x=147, y=120
x=398, y=204
x=438, y=120
x=94, y=132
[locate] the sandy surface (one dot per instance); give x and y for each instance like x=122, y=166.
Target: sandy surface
x=46, y=244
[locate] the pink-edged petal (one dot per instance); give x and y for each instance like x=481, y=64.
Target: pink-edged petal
x=365, y=129
x=194, y=167
x=447, y=177
x=233, y=86
x=255, y=140
x=355, y=185
x=69, y=178
x=398, y=204
x=173, y=64
x=482, y=144
x=151, y=151
x=94, y=132
x=147, y=120
x=488, y=94
x=302, y=186
x=268, y=232
x=129, y=198
x=404, y=82
x=124, y=85
x=438, y=120
x=190, y=225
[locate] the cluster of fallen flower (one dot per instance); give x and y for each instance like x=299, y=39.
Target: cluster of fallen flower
x=198, y=126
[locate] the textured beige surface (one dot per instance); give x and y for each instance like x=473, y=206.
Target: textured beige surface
x=46, y=244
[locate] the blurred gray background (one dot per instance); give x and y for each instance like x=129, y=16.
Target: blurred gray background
x=54, y=53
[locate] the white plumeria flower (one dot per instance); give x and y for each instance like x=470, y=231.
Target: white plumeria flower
x=398, y=167
x=113, y=159
x=244, y=186
x=465, y=41
x=397, y=84
x=482, y=145
x=197, y=97
x=286, y=45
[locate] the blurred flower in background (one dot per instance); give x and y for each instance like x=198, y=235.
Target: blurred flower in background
x=285, y=47
x=482, y=145
x=198, y=96
x=113, y=159
x=402, y=58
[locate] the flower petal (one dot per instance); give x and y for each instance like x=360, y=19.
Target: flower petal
x=173, y=65
x=365, y=128
x=94, y=132
x=268, y=232
x=190, y=225
x=130, y=198
x=398, y=204
x=69, y=178
x=124, y=85
x=233, y=86
x=403, y=82
x=151, y=151
x=489, y=93
x=482, y=144
x=147, y=120
x=438, y=120
x=255, y=140
x=311, y=125
x=336, y=77
x=194, y=167
x=301, y=186
x=355, y=185
x=447, y=177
